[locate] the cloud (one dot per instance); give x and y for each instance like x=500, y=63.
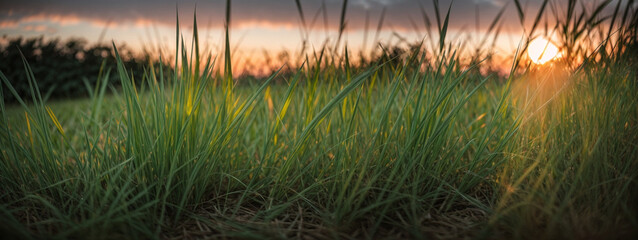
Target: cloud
x=40, y=28
x=367, y=4
x=495, y=3
x=8, y=24
x=163, y=12
x=400, y=14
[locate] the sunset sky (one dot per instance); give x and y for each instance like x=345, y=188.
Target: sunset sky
x=256, y=26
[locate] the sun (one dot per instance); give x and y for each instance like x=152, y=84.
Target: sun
x=541, y=50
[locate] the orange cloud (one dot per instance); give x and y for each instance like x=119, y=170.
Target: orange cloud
x=8, y=24
x=39, y=28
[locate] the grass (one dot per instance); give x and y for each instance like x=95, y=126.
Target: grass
x=411, y=147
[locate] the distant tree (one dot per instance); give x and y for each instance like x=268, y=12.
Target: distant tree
x=60, y=67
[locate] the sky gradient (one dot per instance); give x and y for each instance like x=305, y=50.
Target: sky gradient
x=258, y=26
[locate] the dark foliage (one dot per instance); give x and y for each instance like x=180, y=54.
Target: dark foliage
x=61, y=69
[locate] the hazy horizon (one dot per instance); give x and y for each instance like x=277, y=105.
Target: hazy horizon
x=260, y=28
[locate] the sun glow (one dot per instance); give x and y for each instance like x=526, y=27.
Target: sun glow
x=541, y=51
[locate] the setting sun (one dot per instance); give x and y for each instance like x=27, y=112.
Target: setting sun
x=541, y=51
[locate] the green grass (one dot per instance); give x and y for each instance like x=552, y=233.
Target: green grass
x=414, y=148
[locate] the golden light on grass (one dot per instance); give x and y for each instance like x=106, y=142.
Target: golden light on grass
x=541, y=50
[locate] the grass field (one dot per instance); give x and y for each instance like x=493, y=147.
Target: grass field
x=424, y=147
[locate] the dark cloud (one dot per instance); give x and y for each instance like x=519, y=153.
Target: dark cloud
x=400, y=13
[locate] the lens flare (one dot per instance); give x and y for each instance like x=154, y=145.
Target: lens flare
x=541, y=50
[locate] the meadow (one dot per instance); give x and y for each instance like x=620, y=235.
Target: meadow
x=420, y=145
